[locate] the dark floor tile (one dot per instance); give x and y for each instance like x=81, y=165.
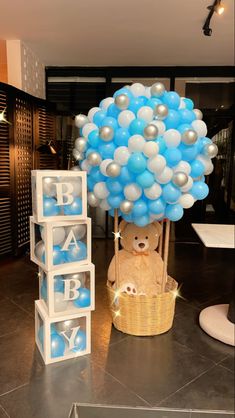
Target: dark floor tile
x=117, y=412
x=213, y=391
x=186, y=330
x=152, y=366
x=53, y=394
x=229, y=362
x=212, y=415
x=3, y=413
x=11, y=317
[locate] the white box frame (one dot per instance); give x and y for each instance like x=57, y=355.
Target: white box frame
x=47, y=321
x=49, y=305
x=48, y=265
x=37, y=194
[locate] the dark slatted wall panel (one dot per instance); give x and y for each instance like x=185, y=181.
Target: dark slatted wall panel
x=47, y=132
x=23, y=167
x=5, y=202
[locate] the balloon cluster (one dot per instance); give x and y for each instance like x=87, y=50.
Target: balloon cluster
x=146, y=153
x=60, y=304
x=50, y=206
x=73, y=254
x=59, y=345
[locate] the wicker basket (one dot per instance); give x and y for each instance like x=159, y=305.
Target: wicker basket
x=143, y=315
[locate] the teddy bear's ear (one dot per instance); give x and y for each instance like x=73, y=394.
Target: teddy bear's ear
x=158, y=227
x=122, y=225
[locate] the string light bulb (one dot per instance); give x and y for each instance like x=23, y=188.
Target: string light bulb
x=3, y=117
x=219, y=8
x=117, y=235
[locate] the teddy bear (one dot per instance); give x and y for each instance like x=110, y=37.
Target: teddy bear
x=140, y=266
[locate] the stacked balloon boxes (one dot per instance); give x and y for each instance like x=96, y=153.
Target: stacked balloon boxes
x=61, y=246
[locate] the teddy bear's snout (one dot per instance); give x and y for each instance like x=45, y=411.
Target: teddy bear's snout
x=141, y=245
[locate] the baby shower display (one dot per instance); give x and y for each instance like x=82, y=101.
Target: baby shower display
x=61, y=246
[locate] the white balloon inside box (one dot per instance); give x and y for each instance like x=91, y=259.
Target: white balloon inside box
x=68, y=290
x=59, y=195
x=61, y=338
x=56, y=245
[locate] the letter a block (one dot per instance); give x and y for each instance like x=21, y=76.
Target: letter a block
x=60, y=244
x=59, y=195
x=61, y=338
x=68, y=291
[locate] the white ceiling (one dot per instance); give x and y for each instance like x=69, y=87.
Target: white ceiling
x=120, y=32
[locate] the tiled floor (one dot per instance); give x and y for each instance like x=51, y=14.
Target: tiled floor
x=184, y=368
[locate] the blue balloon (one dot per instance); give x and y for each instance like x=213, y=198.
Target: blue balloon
x=113, y=111
x=98, y=117
x=93, y=138
x=157, y=206
x=142, y=221
x=162, y=145
x=57, y=346
x=137, y=163
x=127, y=218
x=172, y=156
x=125, y=91
x=50, y=207
x=189, y=103
x=201, y=142
x=76, y=252
x=41, y=336
x=43, y=290
x=135, y=104
x=171, y=99
x=172, y=120
x=189, y=152
x=145, y=179
x=137, y=127
x=106, y=149
x=140, y=208
x=153, y=102
x=114, y=186
x=174, y=212
x=199, y=190
x=197, y=168
x=112, y=213
x=184, y=127
x=110, y=121
x=90, y=184
x=121, y=137
x=143, y=100
x=96, y=175
x=80, y=341
x=84, y=298
x=59, y=284
x=126, y=176
x=89, y=151
x=57, y=255
x=74, y=208
x=170, y=193
x=115, y=200
x=186, y=116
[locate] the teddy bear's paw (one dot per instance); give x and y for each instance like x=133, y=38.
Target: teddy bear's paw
x=129, y=288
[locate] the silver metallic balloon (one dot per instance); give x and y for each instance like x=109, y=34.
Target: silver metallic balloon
x=122, y=101
x=113, y=169
x=79, y=230
x=150, y=132
x=210, y=150
x=198, y=114
x=161, y=111
x=75, y=168
x=126, y=206
x=94, y=158
x=80, y=144
x=189, y=137
x=81, y=120
x=76, y=276
x=39, y=250
x=92, y=200
x=77, y=155
x=65, y=325
x=180, y=179
x=48, y=186
x=157, y=89
x=106, y=133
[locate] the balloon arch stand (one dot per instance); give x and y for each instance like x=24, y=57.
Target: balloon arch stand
x=144, y=315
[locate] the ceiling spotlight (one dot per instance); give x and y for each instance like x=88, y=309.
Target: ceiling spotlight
x=216, y=7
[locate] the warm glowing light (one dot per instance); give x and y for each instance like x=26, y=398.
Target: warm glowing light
x=39, y=275
x=220, y=9
x=117, y=235
x=176, y=293
x=117, y=313
x=2, y=117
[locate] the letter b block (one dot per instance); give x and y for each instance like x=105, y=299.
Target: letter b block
x=59, y=195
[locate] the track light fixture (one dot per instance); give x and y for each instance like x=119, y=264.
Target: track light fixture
x=216, y=7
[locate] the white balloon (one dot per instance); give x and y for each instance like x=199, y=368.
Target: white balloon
x=85, y=166
x=182, y=103
x=188, y=185
x=154, y=217
x=200, y=127
x=209, y=169
x=172, y=138
x=153, y=192
x=100, y=190
x=183, y=166
x=156, y=164
x=147, y=92
x=165, y=176
x=76, y=182
x=186, y=200
x=137, y=89
x=136, y=143
x=104, y=165
x=48, y=186
x=104, y=205
x=58, y=234
x=132, y=191
x=92, y=113
x=89, y=127
x=125, y=118
x=150, y=149
x=79, y=230
x=121, y=155
x=206, y=161
x=107, y=102
x=145, y=113
x=160, y=126
x=59, y=303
